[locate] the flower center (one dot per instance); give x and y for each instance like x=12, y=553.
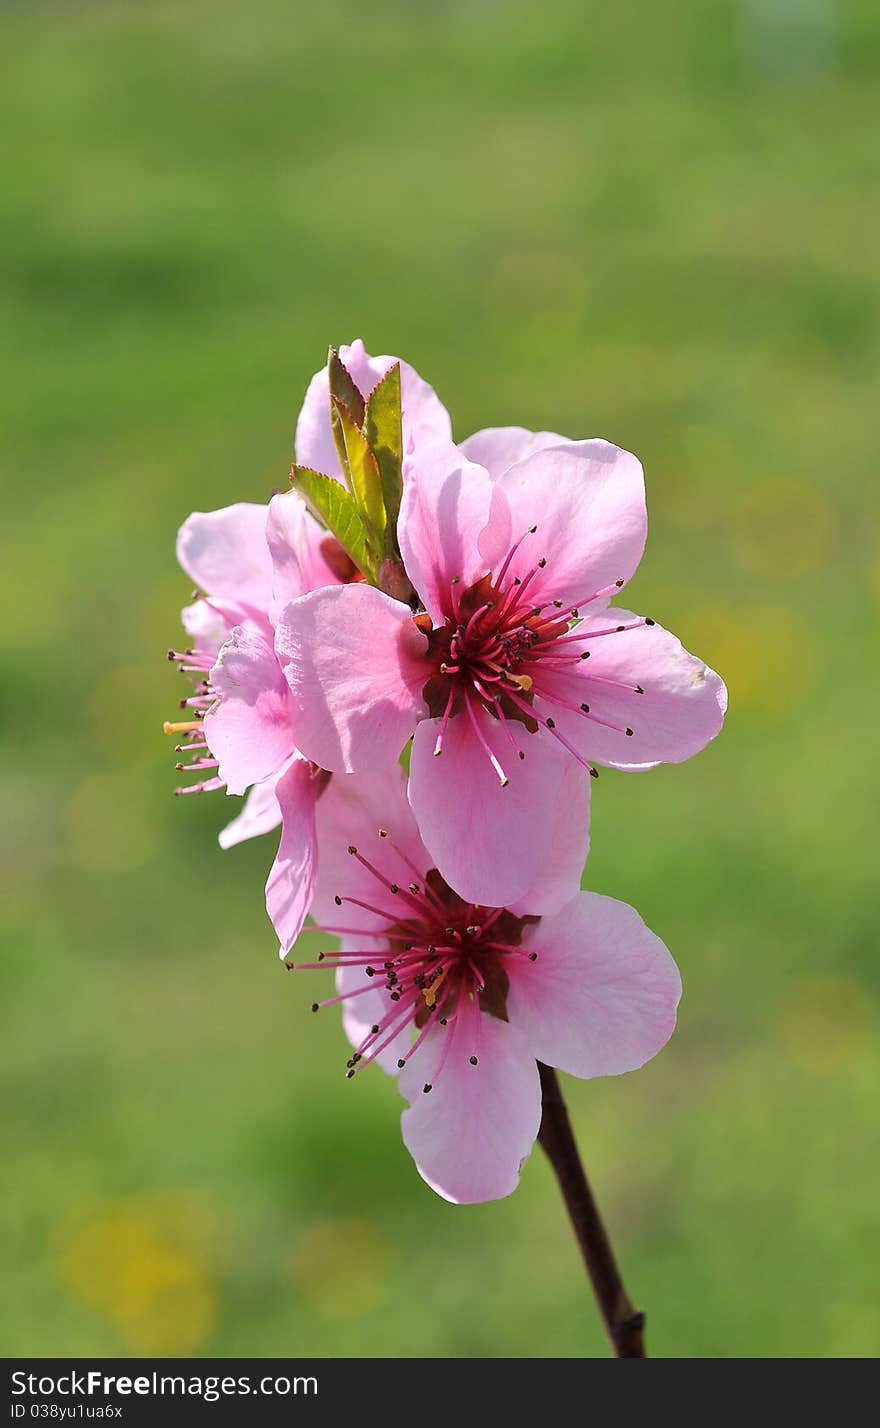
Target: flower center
x=436, y=961
x=504, y=644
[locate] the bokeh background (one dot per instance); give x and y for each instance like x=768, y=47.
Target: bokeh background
x=653, y=223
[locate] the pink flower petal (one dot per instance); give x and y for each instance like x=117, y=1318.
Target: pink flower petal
x=587, y=500
x=489, y=841
x=681, y=710
x=248, y=729
x=291, y=879
x=471, y=1135
x=260, y=814
x=354, y=662
x=350, y=814
x=295, y=539
x=497, y=448
x=424, y=416
x=225, y=553
x=602, y=995
x=557, y=878
x=209, y=622
x=445, y=507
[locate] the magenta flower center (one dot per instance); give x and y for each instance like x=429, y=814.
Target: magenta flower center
x=503, y=645
x=436, y=961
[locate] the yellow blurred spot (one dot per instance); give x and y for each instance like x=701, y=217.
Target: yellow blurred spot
x=109, y=825
x=340, y=1268
x=764, y=654
x=135, y=1263
x=783, y=529
x=828, y=1024
x=853, y=1329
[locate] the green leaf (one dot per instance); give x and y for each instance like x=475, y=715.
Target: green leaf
x=342, y=386
x=360, y=466
x=384, y=432
x=337, y=509
x=343, y=389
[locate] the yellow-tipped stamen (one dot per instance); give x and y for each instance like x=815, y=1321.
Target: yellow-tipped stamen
x=182, y=728
x=430, y=993
x=523, y=681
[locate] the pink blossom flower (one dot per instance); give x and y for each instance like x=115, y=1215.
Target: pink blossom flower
x=463, y=999
x=250, y=560
x=518, y=672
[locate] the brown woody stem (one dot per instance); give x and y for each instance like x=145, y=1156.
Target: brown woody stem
x=624, y=1324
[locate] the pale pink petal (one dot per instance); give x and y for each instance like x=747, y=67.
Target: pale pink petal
x=295, y=540
x=681, y=710
x=225, y=553
x=587, y=502
x=292, y=876
x=488, y=841
x=425, y=419
x=424, y=416
x=472, y=1133
x=557, y=877
x=350, y=814
x=208, y=625
x=445, y=507
x=601, y=997
x=499, y=447
x=355, y=664
x=248, y=729
x=260, y=814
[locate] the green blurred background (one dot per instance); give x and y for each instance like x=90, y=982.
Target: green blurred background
x=653, y=223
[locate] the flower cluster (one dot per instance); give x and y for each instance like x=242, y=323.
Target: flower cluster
x=454, y=601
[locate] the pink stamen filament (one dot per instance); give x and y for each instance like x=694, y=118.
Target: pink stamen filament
x=552, y=729
x=418, y=1041
x=447, y=1044
x=342, y=997
x=369, y=1052
x=585, y=713
x=379, y=911
x=484, y=743
x=511, y=553
x=438, y=747
x=206, y=787
x=420, y=877
x=481, y=609
x=563, y=611
x=357, y=932
x=394, y=888
x=597, y=634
